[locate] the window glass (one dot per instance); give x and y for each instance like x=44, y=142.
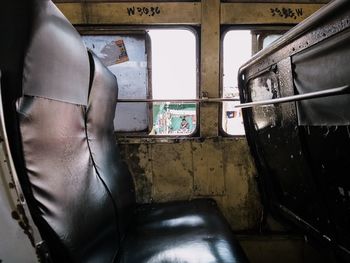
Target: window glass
x=158, y=64
x=174, y=77
x=269, y=39
x=237, y=49
x=126, y=57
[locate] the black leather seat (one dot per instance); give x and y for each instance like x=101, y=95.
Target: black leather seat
x=189, y=231
x=83, y=193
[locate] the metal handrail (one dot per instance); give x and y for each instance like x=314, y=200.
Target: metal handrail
x=306, y=96
x=177, y=100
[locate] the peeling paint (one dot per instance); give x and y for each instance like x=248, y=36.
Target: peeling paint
x=15, y=215
x=166, y=171
x=208, y=169
x=171, y=171
x=137, y=158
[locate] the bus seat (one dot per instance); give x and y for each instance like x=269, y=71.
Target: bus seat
x=181, y=231
x=84, y=203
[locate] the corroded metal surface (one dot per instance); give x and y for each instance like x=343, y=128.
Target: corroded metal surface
x=169, y=171
x=210, y=65
x=17, y=231
x=282, y=49
x=303, y=165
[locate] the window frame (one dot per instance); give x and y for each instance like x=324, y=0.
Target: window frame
x=258, y=35
x=127, y=30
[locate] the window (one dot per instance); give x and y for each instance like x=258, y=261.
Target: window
x=159, y=64
x=126, y=57
x=238, y=47
x=174, y=77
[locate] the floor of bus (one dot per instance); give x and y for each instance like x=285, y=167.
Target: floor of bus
x=281, y=243
x=284, y=248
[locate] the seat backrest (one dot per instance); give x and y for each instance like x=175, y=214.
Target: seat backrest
x=83, y=192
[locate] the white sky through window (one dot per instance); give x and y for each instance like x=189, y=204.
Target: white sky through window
x=237, y=50
x=173, y=64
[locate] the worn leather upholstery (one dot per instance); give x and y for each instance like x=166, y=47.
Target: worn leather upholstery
x=83, y=192
x=72, y=192
x=101, y=140
x=187, y=231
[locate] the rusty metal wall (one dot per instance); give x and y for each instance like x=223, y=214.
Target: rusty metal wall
x=209, y=165
x=12, y=235
x=218, y=168
x=17, y=231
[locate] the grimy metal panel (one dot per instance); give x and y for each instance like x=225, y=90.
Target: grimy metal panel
x=208, y=172
x=266, y=13
x=132, y=13
x=304, y=165
x=17, y=236
x=14, y=244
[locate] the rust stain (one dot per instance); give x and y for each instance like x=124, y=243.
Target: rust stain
x=137, y=158
x=171, y=171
